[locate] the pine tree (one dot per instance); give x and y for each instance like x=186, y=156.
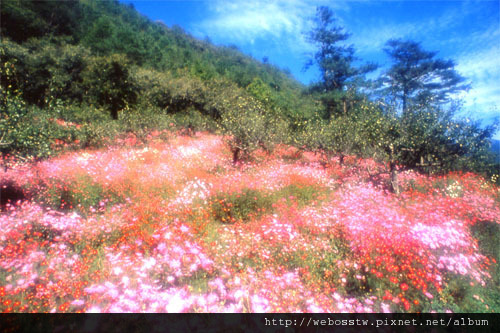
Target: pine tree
x=335, y=61
x=416, y=77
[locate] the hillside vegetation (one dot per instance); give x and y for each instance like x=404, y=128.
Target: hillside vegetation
x=144, y=170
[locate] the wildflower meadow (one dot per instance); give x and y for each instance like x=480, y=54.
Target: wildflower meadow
x=171, y=224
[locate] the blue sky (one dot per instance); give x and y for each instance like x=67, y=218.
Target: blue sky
x=467, y=32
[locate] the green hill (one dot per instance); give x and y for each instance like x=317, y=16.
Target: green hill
x=81, y=74
x=103, y=28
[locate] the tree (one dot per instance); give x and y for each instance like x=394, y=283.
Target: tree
x=109, y=83
x=417, y=78
x=335, y=61
x=431, y=139
x=337, y=136
x=425, y=133
x=436, y=141
x=263, y=93
x=101, y=38
x=359, y=133
x=23, y=19
x=249, y=124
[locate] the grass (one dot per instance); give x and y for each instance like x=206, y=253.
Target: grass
x=251, y=204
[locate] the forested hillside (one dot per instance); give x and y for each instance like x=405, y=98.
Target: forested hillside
x=78, y=60
x=84, y=62
x=143, y=169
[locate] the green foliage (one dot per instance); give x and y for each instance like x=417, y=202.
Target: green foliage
x=153, y=88
x=140, y=124
x=178, y=75
x=463, y=295
x=24, y=19
x=335, y=61
x=300, y=193
x=427, y=135
x=433, y=140
x=239, y=206
x=28, y=132
x=325, y=269
x=193, y=120
x=488, y=236
x=12, y=57
x=99, y=133
x=188, y=92
x=248, y=203
x=100, y=38
x=79, y=58
x=44, y=70
x=262, y=92
x=173, y=94
x=106, y=28
x=250, y=127
x=184, y=95
x=416, y=78
x=80, y=193
x=108, y=83
x=360, y=132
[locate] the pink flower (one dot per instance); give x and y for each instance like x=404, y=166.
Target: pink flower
x=77, y=302
x=94, y=309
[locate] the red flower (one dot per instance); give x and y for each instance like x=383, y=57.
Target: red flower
x=404, y=287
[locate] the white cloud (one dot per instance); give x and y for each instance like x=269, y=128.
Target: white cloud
x=281, y=21
x=373, y=37
x=434, y=31
x=481, y=65
x=245, y=21
x=482, y=68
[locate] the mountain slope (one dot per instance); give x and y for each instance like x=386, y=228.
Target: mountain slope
x=108, y=27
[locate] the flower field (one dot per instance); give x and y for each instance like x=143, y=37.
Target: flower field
x=172, y=225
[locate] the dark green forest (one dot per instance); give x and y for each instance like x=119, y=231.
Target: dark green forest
x=79, y=74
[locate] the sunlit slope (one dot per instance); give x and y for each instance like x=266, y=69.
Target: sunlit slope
x=174, y=226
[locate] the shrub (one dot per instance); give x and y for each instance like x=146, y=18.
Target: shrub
x=80, y=193
x=108, y=83
x=250, y=127
x=44, y=70
x=193, y=120
x=27, y=132
x=98, y=134
x=239, y=206
x=302, y=194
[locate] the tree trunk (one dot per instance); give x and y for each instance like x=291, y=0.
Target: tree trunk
x=394, y=178
x=341, y=159
x=114, y=112
x=393, y=171
x=405, y=97
x=236, y=155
